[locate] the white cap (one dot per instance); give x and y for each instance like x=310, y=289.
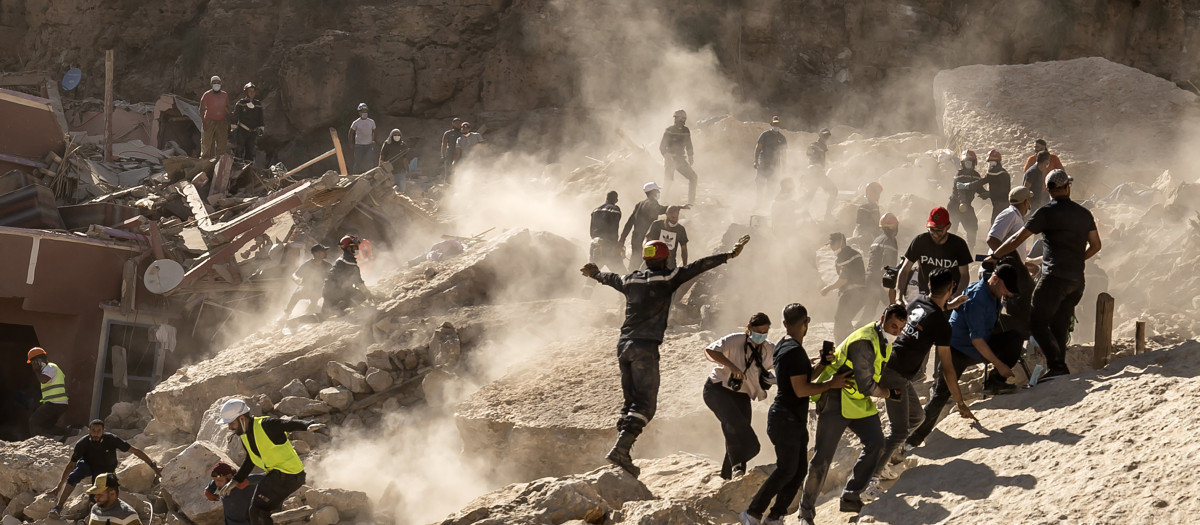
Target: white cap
x=650, y=186
x=231, y=410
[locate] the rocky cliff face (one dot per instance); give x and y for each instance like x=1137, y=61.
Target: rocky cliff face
x=529, y=68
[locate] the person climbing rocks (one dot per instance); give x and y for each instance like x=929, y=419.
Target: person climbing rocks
x=882, y=254
x=864, y=354
x=787, y=419
x=648, y=296
x=235, y=504
x=967, y=184
x=92, y=456
x=742, y=375
x=851, y=284
x=669, y=230
x=267, y=446
x=214, y=112
x=927, y=326
x=362, y=135
x=936, y=248
x=816, y=177
x=54, y=402
x=344, y=286
x=605, y=250
x=1071, y=238
x=449, y=147
x=644, y=214
x=770, y=159
x=998, y=183
x=676, y=149
x=108, y=508
x=311, y=278
x=247, y=123
x=971, y=326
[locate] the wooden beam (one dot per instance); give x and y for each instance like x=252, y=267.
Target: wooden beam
x=108, y=104
x=337, y=147
x=51, y=87
x=315, y=160
x=1140, y=338
x=1104, y=320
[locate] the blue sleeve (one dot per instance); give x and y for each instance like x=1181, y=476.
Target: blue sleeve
x=979, y=326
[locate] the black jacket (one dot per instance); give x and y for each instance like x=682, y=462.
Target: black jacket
x=676, y=141
x=967, y=184
x=644, y=214
x=606, y=219
x=244, y=115
x=276, y=430
x=648, y=295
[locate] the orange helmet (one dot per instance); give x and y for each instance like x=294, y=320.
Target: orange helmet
x=34, y=352
x=655, y=250
x=993, y=155
x=968, y=155
x=888, y=219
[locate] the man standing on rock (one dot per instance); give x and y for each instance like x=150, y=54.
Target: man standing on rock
x=669, y=230
x=647, y=301
x=247, y=124
x=971, y=327
x=998, y=183
x=214, y=110
x=93, y=455
x=109, y=509
x=605, y=250
x=450, y=147
x=267, y=447
x=1039, y=146
x=466, y=143
x=770, y=158
x=864, y=354
x=1071, y=239
x=237, y=503
x=787, y=420
x=1035, y=177
x=44, y=420
x=936, y=248
x=676, y=149
x=362, y=132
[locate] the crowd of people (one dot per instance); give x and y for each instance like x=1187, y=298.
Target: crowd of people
x=924, y=299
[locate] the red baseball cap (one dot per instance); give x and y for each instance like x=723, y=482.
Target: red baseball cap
x=938, y=218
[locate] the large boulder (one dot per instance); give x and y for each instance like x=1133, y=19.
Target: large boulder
x=1087, y=109
x=33, y=465
x=350, y=504
x=219, y=435
x=342, y=374
x=338, y=397
x=183, y=479
x=302, y=407
x=587, y=497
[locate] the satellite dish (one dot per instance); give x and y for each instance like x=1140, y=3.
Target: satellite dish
x=71, y=79
x=163, y=276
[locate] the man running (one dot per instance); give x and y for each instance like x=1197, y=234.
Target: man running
x=647, y=301
x=268, y=448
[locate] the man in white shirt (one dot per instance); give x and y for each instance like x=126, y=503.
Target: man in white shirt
x=362, y=131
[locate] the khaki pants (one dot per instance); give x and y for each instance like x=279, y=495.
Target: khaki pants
x=214, y=138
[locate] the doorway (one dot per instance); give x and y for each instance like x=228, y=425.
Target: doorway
x=19, y=389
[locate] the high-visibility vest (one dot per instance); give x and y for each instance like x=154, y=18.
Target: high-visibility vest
x=855, y=404
x=271, y=456
x=56, y=390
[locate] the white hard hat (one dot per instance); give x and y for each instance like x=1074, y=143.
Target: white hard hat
x=231, y=410
x=649, y=187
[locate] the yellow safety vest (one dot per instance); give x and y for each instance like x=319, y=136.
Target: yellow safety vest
x=56, y=390
x=855, y=404
x=271, y=456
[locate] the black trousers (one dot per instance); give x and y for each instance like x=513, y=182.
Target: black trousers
x=830, y=426
x=734, y=412
x=674, y=163
x=244, y=144
x=905, y=415
x=44, y=420
x=640, y=378
x=1054, y=301
x=270, y=493
x=789, y=433
x=1002, y=346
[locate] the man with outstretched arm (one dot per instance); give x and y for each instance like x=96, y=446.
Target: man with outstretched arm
x=647, y=301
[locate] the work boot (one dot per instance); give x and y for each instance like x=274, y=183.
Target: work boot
x=995, y=386
x=851, y=505
x=619, y=455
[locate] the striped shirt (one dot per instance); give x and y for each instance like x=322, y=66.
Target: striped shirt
x=119, y=514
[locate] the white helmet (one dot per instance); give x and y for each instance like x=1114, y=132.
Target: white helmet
x=650, y=186
x=231, y=410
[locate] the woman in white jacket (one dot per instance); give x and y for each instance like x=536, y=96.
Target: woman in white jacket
x=744, y=360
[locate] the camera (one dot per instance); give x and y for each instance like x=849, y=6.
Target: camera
x=735, y=384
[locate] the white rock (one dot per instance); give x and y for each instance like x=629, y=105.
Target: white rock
x=16, y=505
x=378, y=380
x=292, y=516
x=183, y=480
x=33, y=465
x=40, y=506
x=379, y=359
x=123, y=410
x=295, y=388
x=344, y=375
x=350, y=504
x=219, y=435
x=340, y=398
x=135, y=475
x=302, y=407
x=324, y=516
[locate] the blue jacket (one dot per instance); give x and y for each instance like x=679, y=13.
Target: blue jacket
x=974, y=320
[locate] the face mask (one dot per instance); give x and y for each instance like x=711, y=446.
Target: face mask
x=968, y=165
x=757, y=337
x=775, y=128
x=216, y=87
x=995, y=163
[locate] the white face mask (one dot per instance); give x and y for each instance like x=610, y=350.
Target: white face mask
x=250, y=105
x=775, y=128
x=995, y=163
x=968, y=165
x=216, y=87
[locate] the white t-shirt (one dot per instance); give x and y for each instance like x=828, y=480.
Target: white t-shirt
x=364, y=131
x=737, y=351
x=1007, y=223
